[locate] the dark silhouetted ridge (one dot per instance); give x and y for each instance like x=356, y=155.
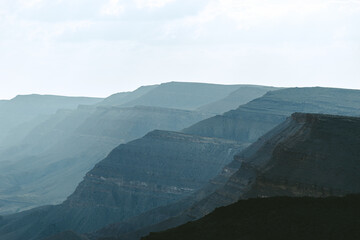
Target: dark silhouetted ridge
x=275, y=218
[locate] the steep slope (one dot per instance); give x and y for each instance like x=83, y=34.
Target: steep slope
x=55, y=157
x=157, y=169
x=250, y=122
x=184, y=95
x=241, y=96
x=275, y=218
x=29, y=110
x=307, y=155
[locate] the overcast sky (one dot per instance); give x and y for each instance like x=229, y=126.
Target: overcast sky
x=98, y=47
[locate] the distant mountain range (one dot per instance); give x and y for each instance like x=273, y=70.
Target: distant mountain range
x=20, y=114
x=166, y=178
x=45, y=165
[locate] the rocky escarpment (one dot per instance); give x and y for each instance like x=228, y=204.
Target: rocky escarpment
x=149, y=172
x=246, y=124
x=275, y=218
x=308, y=155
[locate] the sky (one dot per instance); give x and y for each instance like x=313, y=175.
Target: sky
x=99, y=47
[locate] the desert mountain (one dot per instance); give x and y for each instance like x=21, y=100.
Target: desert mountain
x=308, y=155
x=244, y=124
x=70, y=142
x=157, y=169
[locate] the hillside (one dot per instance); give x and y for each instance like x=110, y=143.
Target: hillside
x=307, y=155
x=275, y=218
x=135, y=177
x=56, y=155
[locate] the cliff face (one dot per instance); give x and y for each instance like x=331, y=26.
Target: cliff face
x=308, y=155
x=158, y=169
x=245, y=124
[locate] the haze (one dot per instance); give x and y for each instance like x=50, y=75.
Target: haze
x=96, y=48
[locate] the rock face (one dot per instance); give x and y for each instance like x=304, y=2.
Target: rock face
x=158, y=169
x=307, y=155
x=275, y=218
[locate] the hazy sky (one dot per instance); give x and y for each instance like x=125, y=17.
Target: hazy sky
x=98, y=47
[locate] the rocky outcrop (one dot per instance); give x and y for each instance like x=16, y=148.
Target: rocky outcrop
x=308, y=155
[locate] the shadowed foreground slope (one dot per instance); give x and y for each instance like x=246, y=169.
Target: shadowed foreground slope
x=275, y=218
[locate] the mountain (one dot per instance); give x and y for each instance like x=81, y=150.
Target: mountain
x=70, y=142
x=308, y=155
x=252, y=120
x=245, y=124
x=241, y=96
x=158, y=169
x=275, y=218
x=56, y=155
x=27, y=111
